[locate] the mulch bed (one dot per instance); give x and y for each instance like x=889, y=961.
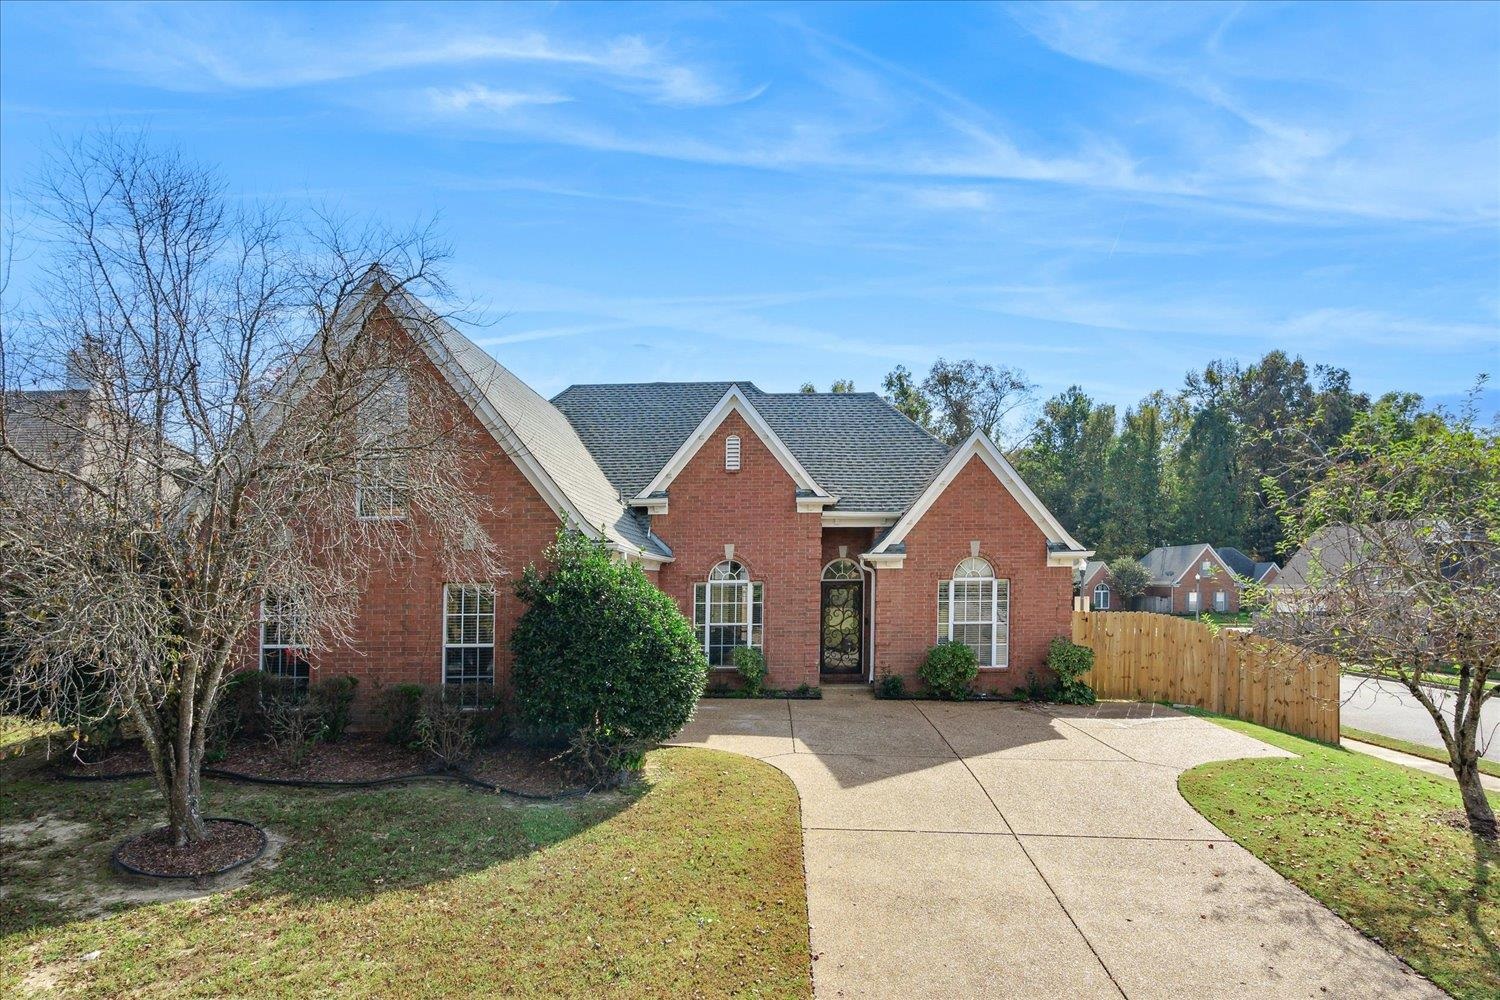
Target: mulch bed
x=510, y=766
x=354, y=758
x=522, y=768
x=229, y=844
x=128, y=758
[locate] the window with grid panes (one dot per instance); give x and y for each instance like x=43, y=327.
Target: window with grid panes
x=284, y=649
x=728, y=612
x=974, y=609
x=468, y=640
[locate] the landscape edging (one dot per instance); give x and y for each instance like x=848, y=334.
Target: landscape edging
x=129, y=869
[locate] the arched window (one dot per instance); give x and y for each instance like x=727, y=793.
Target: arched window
x=1101, y=597
x=841, y=569
x=732, y=453
x=974, y=609
x=727, y=612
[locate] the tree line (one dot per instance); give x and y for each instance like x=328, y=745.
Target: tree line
x=1202, y=463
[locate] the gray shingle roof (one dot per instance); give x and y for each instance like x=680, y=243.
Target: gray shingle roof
x=1091, y=567
x=1166, y=563
x=550, y=439
x=43, y=424
x=1237, y=561
x=855, y=445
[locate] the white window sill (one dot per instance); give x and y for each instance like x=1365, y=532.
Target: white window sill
x=1005, y=666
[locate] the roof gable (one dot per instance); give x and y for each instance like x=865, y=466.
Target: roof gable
x=532, y=432
x=856, y=446
x=734, y=400
x=980, y=447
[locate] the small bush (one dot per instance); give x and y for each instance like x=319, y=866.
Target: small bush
x=949, y=670
x=806, y=690
x=488, y=713
x=890, y=686
x=603, y=659
x=1070, y=662
x=293, y=723
x=400, y=707
x=333, y=699
x=446, y=730
x=750, y=663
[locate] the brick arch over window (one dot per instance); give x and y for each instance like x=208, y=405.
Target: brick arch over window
x=974, y=609
x=728, y=612
x=1101, y=597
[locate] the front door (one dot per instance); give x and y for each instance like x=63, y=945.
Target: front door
x=842, y=627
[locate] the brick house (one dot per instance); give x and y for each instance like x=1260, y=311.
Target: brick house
x=828, y=530
x=1185, y=579
x=1098, y=587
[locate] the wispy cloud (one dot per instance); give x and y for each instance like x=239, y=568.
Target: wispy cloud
x=476, y=96
x=184, y=47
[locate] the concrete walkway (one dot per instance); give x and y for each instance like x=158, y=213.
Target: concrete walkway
x=1432, y=767
x=993, y=850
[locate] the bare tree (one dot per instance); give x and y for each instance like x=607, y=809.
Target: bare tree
x=967, y=396
x=1399, y=572
x=253, y=416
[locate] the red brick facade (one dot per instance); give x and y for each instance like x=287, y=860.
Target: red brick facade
x=1222, y=579
x=755, y=510
x=975, y=507
x=398, y=637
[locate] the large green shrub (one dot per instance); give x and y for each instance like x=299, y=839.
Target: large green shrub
x=750, y=663
x=949, y=670
x=333, y=699
x=602, y=658
x=1070, y=662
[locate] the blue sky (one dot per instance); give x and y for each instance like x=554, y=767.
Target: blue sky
x=1103, y=195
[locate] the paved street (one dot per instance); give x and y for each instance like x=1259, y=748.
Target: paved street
x=1387, y=708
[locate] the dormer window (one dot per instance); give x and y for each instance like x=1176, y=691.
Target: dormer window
x=732, y=453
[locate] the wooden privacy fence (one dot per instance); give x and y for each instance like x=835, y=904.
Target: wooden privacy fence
x=1150, y=657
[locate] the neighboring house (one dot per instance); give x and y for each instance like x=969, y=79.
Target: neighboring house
x=1186, y=579
x=1263, y=573
x=828, y=530
x=1338, y=552
x=1098, y=587
x=48, y=426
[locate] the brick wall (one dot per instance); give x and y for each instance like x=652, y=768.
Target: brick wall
x=398, y=637
x=1223, y=579
x=755, y=510
x=974, y=507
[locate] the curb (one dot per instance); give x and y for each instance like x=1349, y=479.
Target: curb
x=128, y=869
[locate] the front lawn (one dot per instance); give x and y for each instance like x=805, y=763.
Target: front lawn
x=691, y=886
x=1374, y=842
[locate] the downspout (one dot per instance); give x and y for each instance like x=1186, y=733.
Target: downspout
x=865, y=568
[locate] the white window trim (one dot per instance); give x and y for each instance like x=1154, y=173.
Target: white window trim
x=994, y=623
x=747, y=586
x=1192, y=600
x=260, y=660
x=443, y=636
x=1101, y=606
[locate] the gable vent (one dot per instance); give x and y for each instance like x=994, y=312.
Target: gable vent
x=732, y=453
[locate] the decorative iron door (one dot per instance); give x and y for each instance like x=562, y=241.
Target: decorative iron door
x=842, y=627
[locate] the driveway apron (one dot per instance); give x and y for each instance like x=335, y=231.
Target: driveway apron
x=998, y=850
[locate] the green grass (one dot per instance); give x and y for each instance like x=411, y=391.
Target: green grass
x=691, y=886
x=15, y=732
x=1415, y=749
x=1239, y=618
x=1367, y=839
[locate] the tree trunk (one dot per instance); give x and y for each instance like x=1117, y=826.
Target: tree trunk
x=1476, y=803
x=184, y=803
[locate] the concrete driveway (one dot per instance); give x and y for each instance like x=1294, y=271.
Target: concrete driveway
x=994, y=850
